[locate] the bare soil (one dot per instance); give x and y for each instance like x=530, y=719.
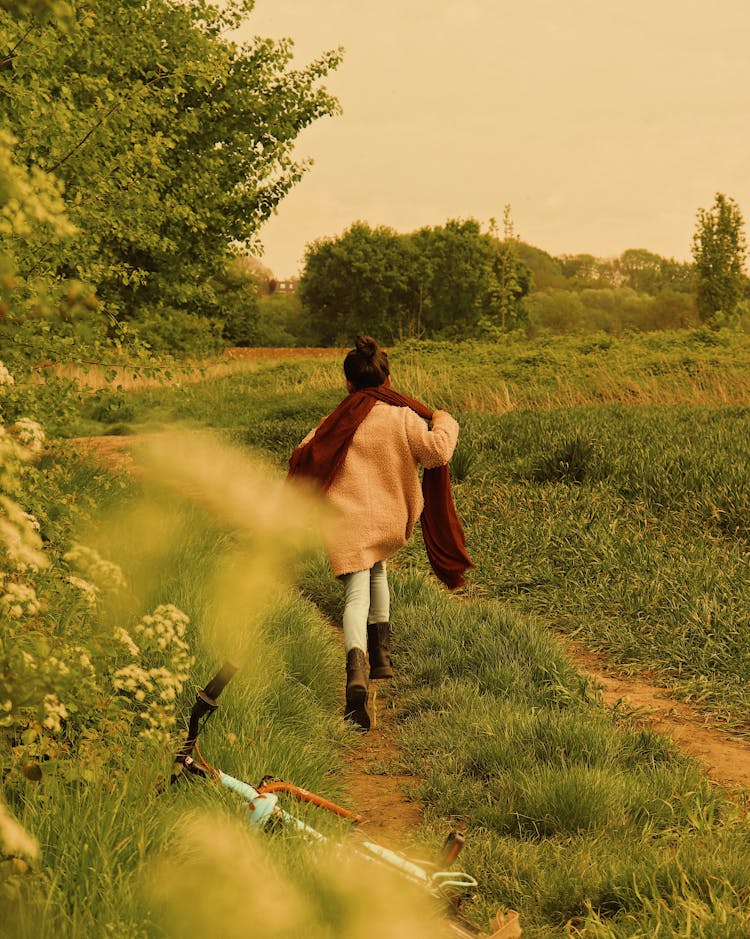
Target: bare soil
x=113, y=452
x=378, y=791
x=725, y=757
x=285, y=354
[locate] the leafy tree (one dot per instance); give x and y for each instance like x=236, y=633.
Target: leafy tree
x=172, y=143
x=511, y=281
x=456, y=270
x=237, y=291
x=720, y=250
x=546, y=271
x=469, y=278
x=585, y=270
x=32, y=212
x=447, y=279
x=281, y=322
x=640, y=269
x=677, y=276
x=362, y=281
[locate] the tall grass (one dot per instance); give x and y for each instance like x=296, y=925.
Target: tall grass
x=627, y=525
x=688, y=367
x=698, y=367
x=576, y=817
x=641, y=552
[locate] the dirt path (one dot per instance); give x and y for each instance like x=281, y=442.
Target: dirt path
x=725, y=757
x=114, y=452
x=377, y=790
x=384, y=796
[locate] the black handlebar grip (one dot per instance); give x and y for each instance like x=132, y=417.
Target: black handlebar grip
x=220, y=680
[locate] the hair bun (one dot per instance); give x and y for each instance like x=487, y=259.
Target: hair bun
x=366, y=346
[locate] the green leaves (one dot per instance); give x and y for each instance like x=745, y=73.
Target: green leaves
x=169, y=145
x=720, y=251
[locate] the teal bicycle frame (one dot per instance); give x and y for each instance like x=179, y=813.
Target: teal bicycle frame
x=263, y=807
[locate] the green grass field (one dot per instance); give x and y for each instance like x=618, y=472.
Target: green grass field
x=604, y=491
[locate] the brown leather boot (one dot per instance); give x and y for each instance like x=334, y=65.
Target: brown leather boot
x=356, y=709
x=379, y=650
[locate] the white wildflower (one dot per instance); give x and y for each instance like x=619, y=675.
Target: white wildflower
x=83, y=658
x=29, y=435
x=132, y=677
x=106, y=574
x=88, y=589
x=157, y=688
x=57, y=665
x=55, y=711
x=33, y=521
x=19, y=600
x=166, y=626
x=14, y=839
x=17, y=536
x=5, y=377
x=127, y=640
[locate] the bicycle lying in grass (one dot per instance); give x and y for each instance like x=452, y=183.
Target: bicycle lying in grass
x=264, y=811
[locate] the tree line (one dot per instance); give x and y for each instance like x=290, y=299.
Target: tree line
x=448, y=279
x=455, y=280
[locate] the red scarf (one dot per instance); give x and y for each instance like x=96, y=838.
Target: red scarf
x=322, y=457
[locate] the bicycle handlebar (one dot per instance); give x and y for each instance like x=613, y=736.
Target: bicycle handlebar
x=205, y=705
x=219, y=682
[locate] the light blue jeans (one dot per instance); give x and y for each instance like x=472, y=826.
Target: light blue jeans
x=366, y=600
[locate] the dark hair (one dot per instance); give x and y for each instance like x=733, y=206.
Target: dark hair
x=366, y=366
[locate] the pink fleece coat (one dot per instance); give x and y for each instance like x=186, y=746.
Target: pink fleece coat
x=377, y=495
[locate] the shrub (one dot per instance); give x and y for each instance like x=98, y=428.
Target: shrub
x=109, y=407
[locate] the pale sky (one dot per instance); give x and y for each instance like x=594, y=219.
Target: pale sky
x=605, y=125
